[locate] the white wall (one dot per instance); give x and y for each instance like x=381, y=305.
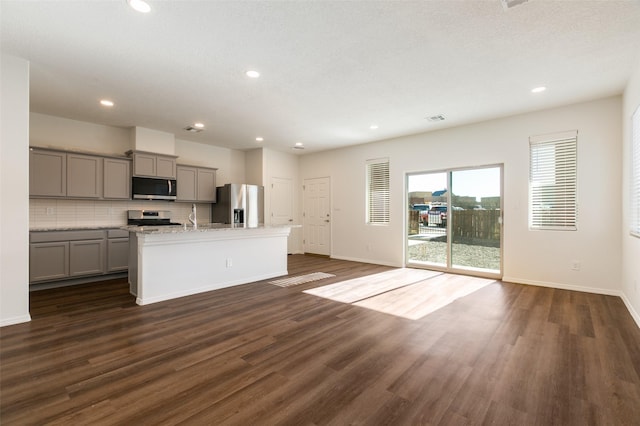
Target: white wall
x=150, y=140
x=630, y=244
x=229, y=162
x=534, y=257
x=14, y=190
x=254, y=167
x=50, y=131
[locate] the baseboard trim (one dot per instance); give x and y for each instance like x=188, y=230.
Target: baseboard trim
x=633, y=312
x=605, y=291
x=374, y=262
x=15, y=320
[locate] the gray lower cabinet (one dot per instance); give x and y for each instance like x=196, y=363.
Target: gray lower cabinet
x=48, y=261
x=86, y=257
x=117, y=251
x=60, y=255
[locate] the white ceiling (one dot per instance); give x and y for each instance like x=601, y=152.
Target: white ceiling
x=329, y=69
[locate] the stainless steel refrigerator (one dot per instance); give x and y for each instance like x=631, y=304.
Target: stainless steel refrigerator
x=240, y=204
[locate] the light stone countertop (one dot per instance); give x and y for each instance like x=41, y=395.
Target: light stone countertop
x=75, y=228
x=206, y=227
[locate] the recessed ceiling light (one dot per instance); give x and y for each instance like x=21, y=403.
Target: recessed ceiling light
x=252, y=74
x=198, y=125
x=538, y=89
x=298, y=145
x=259, y=139
x=140, y=6
x=373, y=126
x=106, y=102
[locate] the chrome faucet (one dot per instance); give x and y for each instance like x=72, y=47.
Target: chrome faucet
x=192, y=217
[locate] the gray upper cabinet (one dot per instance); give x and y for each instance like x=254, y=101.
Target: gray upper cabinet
x=187, y=183
x=144, y=164
x=166, y=167
x=84, y=176
x=54, y=174
x=47, y=173
x=207, y=185
x=196, y=184
x=148, y=164
x=117, y=179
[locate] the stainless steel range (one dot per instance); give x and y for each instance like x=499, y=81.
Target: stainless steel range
x=150, y=218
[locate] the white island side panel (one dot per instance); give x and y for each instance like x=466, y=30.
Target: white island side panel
x=182, y=264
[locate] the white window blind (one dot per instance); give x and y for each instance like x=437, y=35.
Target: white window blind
x=635, y=173
x=553, y=179
x=378, y=191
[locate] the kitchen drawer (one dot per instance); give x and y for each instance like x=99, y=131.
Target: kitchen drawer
x=50, y=236
x=117, y=233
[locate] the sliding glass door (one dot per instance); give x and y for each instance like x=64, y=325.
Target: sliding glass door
x=454, y=220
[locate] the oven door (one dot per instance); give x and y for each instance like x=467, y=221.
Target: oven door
x=153, y=189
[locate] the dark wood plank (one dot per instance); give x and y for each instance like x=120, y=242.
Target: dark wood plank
x=262, y=354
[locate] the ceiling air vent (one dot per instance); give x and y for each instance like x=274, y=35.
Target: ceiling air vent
x=436, y=118
x=192, y=129
x=508, y=4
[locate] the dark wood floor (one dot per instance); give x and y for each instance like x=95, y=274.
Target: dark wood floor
x=259, y=354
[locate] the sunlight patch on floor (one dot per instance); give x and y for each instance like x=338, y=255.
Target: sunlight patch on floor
x=408, y=293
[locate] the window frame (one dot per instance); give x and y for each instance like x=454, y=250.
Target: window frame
x=378, y=192
x=553, y=181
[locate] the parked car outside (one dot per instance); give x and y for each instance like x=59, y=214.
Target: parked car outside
x=424, y=212
x=438, y=216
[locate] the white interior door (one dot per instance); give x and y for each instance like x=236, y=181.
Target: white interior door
x=282, y=205
x=317, y=216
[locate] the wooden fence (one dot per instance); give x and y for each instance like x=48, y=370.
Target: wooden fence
x=476, y=224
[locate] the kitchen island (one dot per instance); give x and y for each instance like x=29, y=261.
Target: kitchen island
x=168, y=262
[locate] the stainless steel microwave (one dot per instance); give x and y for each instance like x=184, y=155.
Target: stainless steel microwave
x=153, y=188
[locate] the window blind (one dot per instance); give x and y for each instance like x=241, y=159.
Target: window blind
x=635, y=173
x=553, y=181
x=378, y=191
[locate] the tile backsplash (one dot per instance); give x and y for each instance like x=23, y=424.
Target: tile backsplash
x=62, y=213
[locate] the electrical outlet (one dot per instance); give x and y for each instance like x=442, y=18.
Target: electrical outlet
x=229, y=263
x=50, y=211
x=575, y=265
